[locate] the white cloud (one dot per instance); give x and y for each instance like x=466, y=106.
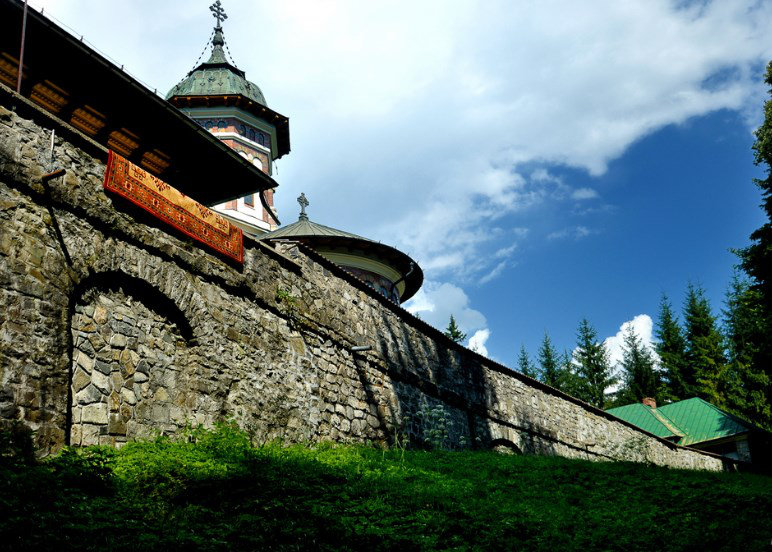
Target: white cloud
x=495, y=273
x=575, y=233
x=643, y=326
x=543, y=175
x=505, y=252
x=584, y=193
x=436, y=301
x=477, y=341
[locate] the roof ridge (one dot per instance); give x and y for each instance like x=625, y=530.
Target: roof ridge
x=638, y=409
x=667, y=421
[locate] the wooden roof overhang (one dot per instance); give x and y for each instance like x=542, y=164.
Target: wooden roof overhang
x=250, y=106
x=80, y=87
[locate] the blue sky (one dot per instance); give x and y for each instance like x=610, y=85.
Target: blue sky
x=543, y=161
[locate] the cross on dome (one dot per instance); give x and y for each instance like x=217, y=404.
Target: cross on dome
x=218, y=12
x=303, y=204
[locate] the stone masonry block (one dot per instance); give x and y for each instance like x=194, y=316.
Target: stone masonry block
x=94, y=414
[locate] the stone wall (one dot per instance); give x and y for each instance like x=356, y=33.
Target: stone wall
x=113, y=327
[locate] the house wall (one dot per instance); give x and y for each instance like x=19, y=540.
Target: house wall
x=112, y=327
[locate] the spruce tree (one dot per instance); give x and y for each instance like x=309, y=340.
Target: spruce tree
x=568, y=380
x=524, y=363
x=638, y=374
x=747, y=382
x=549, y=370
x=593, y=366
x=757, y=258
x=454, y=332
x=671, y=349
x=706, y=362
x=757, y=263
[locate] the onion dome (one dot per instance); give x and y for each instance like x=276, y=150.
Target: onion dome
x=384, y=268
x=217, y=77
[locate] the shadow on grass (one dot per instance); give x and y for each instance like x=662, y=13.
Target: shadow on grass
x=216, y=492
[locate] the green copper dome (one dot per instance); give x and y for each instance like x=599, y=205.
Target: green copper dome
x=217, y=77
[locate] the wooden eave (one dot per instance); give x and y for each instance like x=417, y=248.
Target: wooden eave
x=77, y=85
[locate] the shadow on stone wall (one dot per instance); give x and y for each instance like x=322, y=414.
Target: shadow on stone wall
x=432, y=390
x=441, y=392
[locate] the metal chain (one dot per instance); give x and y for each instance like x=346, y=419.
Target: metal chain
x=208, y=41
x=228, y=50
x=206, y=46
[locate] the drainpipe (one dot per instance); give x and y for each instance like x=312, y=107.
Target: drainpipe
x=409, y=272
x=267, y=207
x=21, y=52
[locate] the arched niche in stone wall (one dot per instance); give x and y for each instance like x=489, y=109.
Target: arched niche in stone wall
x=505, y=446
x=130, y=353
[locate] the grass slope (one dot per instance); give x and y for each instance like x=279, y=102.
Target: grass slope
x=216, y=492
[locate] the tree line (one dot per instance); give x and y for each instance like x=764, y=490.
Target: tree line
x=699, y=356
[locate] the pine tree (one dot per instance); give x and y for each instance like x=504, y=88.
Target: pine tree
x=637, y=367
x=593, y=367
x=454, y=332
x=524, y=363
x=549, y=370
x=747, y=383
x=568, y=380
x=706, y=362
x=671, y=349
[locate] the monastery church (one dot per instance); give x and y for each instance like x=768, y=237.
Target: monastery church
x=137, y=298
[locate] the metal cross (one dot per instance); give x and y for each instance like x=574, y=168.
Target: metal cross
x=218, y=12
x=303, y=204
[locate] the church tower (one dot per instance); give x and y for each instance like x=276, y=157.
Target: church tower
x=217, y=95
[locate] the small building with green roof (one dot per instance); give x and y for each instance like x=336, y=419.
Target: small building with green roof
x=698, y=424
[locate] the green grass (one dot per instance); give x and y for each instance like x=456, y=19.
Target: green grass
x=216, y=492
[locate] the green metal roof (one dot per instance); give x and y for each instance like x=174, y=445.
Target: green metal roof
x=701, y=421
x=647, y=419
x=217, y=77
x=304, y=228
x=693, y=420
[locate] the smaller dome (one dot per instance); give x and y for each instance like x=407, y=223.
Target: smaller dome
x=359, y=256
x=217, y=77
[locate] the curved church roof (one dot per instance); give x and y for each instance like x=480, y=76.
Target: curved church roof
x=318, y=235
x=217, y=77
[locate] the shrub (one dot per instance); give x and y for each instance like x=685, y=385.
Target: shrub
x=16, y=446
